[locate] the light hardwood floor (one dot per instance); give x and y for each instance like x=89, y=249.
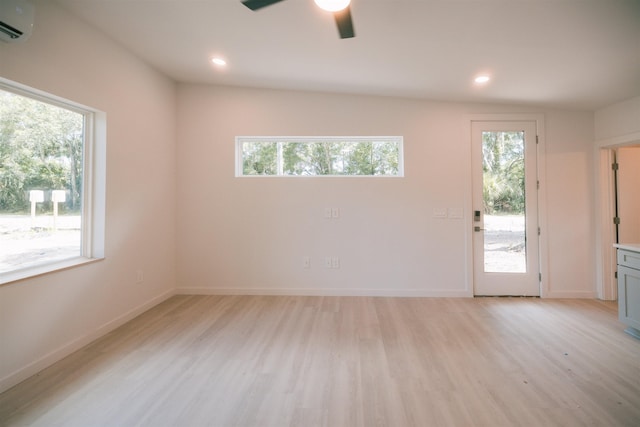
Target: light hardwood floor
x=345, y=361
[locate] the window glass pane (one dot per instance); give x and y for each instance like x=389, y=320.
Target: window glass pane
x=41, y=178
x=322, y=156
x=504, y=202
x=259, y=158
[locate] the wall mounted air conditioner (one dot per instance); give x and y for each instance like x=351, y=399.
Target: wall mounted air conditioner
x=16, y=20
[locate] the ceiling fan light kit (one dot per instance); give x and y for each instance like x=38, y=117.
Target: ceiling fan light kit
x=340, y=9
x=332, y=5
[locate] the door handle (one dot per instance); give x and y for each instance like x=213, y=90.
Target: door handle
x=477, y=228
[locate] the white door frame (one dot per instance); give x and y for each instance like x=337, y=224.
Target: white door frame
x=606, y=286
x=542, y=195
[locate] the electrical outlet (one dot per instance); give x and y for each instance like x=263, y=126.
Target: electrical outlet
x=327, y=262
x=335, y=213
x=139, y=276
x=327, y=213
x=306, y=262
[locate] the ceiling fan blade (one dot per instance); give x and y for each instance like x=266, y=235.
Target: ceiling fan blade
x=345, y=24
x=259, y=4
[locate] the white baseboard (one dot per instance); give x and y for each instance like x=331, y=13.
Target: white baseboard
x=571, y=294
x=65, y=350
x=437, y=293
x=429, y=293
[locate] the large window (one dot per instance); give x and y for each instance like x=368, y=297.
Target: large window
x=47, y=215
x=319, y=156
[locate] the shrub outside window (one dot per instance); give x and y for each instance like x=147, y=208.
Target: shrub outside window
x=319, y=156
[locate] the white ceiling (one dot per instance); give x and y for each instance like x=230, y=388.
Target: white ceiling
x=578, y=54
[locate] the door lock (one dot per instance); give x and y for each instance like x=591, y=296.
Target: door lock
x=477, y=228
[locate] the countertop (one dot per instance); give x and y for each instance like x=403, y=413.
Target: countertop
x=635, y=247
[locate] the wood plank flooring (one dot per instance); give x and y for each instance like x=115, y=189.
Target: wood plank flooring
x=345, y=361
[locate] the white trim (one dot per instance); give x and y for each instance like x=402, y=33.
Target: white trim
x=98, y=182
x=627, y=139
x=543, y=247
x=239, y=140
x=44, y=268
x=93, y=183
x=68, y=348
x=467, y=220
x=325, y=292
x=606, y=286
x=571, y=294
x=543, y=244
x=42, y=96
x=320, y=176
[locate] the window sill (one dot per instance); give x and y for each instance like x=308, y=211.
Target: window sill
x=29, y=272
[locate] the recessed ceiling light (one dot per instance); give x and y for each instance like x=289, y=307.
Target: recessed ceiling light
x=332, y=5
x=482, y=79
x=219, y=61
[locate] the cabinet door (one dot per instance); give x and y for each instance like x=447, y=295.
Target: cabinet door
x=629, y=296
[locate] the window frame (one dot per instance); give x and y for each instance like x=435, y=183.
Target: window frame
x=240, y=140
x=93, y=185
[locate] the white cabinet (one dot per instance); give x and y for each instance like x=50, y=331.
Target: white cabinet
x=629, y=288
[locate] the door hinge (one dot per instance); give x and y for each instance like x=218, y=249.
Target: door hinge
x=540, y=277
x=537, y=140
x=538, y=184
x=615, y=166
x=615, y=275
x=616, y=220
x=538, y=231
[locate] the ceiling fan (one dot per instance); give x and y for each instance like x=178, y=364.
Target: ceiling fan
x=340, y=8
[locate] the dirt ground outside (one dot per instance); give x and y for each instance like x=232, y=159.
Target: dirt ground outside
x=25, y=242
x=504, y=244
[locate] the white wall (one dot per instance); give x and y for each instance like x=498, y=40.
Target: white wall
x=248, y=235
x=44, y=318
x=570, y=184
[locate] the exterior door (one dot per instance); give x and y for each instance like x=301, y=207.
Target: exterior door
x=505, y=203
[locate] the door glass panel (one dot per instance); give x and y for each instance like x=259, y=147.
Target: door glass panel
x=503, y=191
